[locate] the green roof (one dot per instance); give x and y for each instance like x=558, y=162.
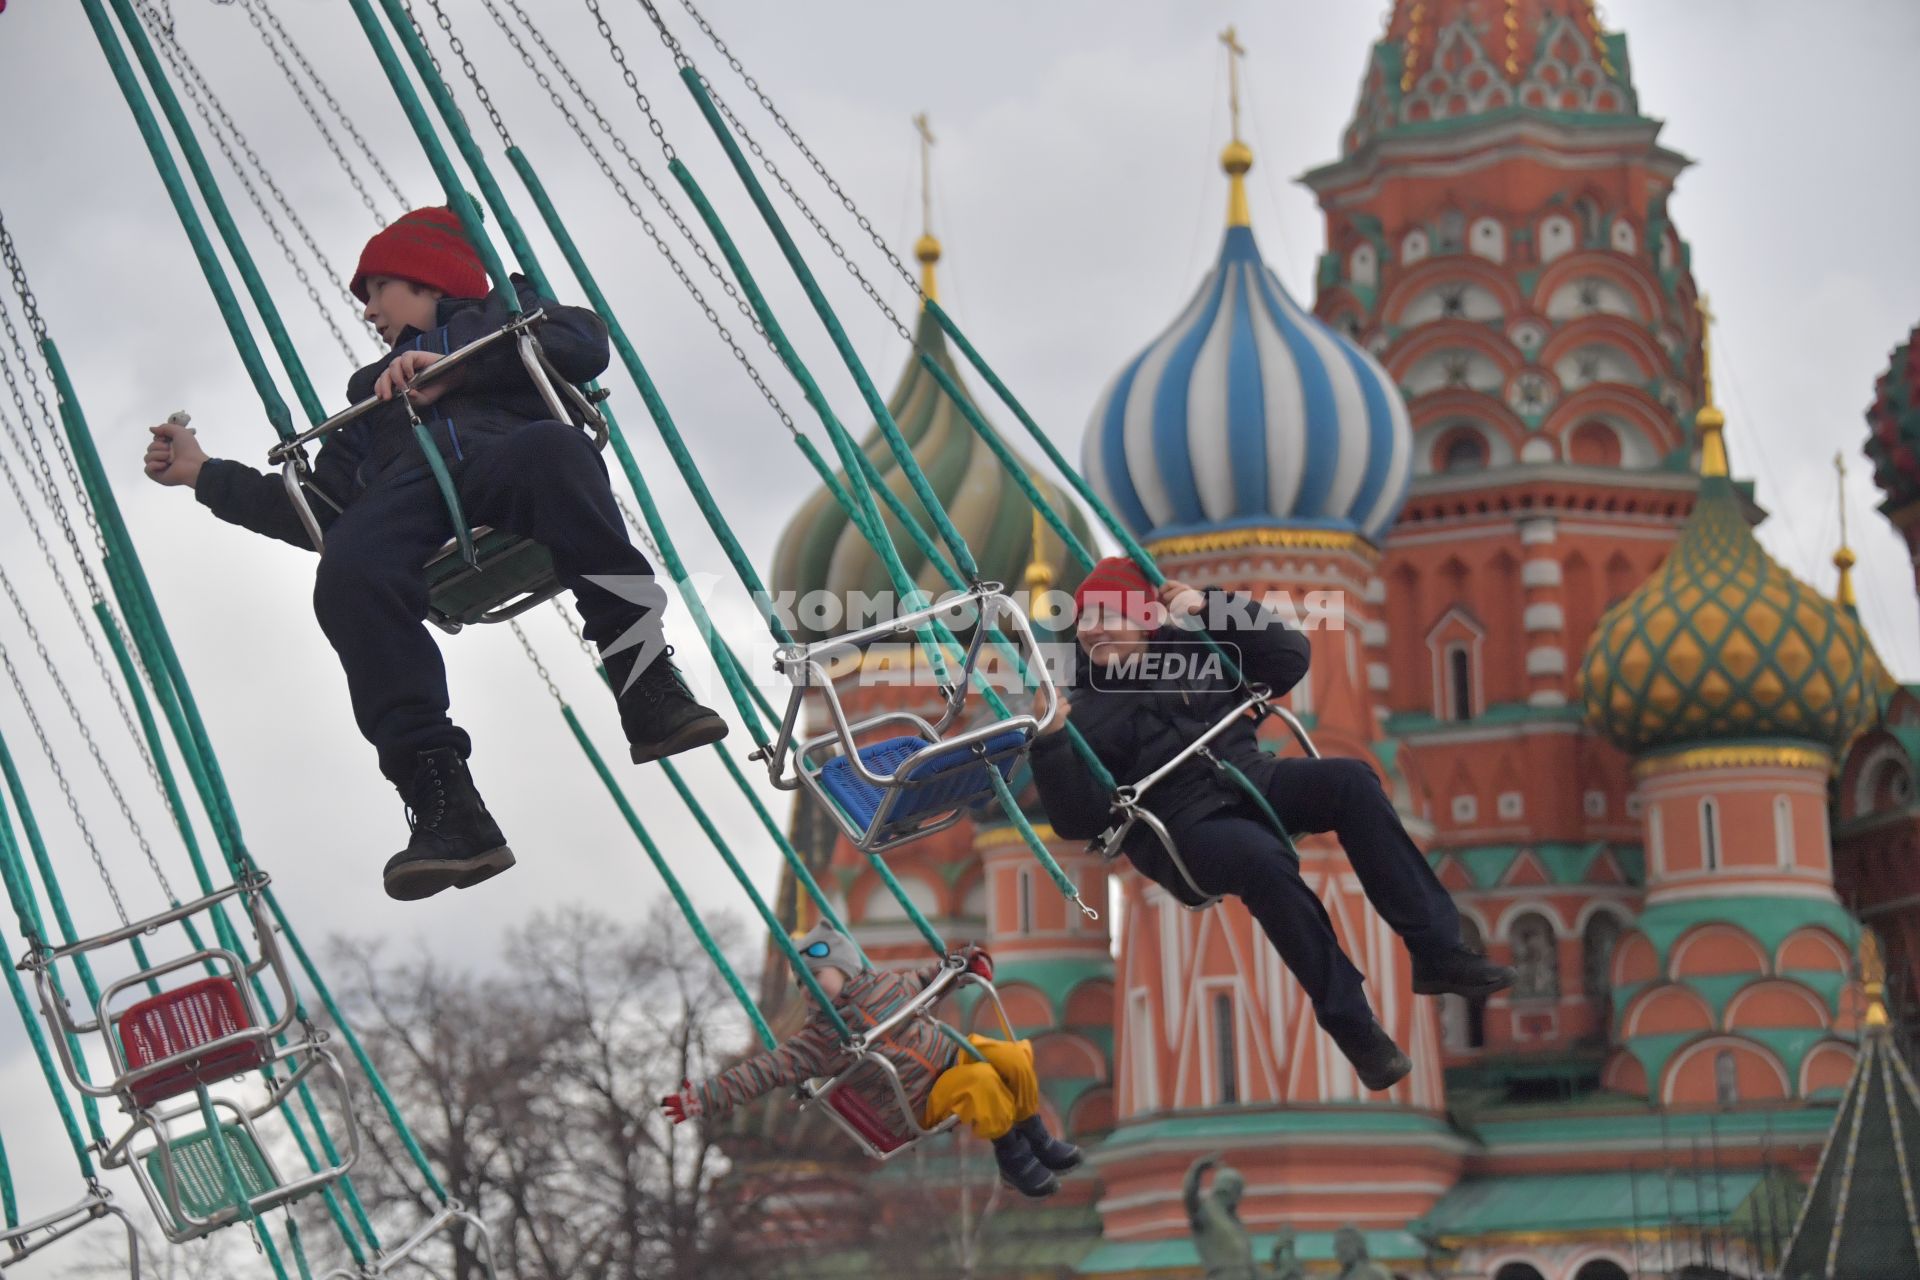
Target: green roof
x=1506, y=1133
x=1587, y=1201
x=1565, y=862
x=1055, y=979
x=1768, y=920
x=1240, y=1122
x=1406, y=723
x=1179, y=1254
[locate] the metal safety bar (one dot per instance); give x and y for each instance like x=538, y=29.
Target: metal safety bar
x=953, y=975
x=449, y=1214
x=1128, y=801
x=105, y=1021
x=567, y=403
x=22, y=1242
x=178, y=1223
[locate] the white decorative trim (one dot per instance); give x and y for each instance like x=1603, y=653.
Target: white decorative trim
x=1540, y=573
x=1538, y=531
x=1547, y=698
x=1373, y=633
x=1379, y=678
x=1547, y=660
x=1545, y=616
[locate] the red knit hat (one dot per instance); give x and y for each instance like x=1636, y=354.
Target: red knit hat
x=426, y=246
x=1117, y=583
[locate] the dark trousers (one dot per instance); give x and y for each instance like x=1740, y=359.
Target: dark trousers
x=1235, y=852
x=543, y=481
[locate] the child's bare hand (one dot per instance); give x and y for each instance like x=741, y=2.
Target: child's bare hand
x=1182, y=601
x=174, y=457
x=399, y=377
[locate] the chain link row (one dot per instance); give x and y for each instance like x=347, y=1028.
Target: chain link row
x=260, y=25
x=753, y=87
x=225, y=133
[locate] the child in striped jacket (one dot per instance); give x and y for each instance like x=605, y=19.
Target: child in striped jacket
x=996, y=1095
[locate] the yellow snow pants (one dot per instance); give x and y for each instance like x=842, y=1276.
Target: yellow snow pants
x=989, y=1097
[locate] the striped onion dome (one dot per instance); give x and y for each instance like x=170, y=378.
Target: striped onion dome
x=1250, y=412
x=820, y=550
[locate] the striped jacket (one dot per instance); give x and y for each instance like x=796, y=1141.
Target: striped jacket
x=916, y=1048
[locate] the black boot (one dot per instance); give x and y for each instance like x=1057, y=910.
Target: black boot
x=1460, y=972
x=455, y=840
x=1020, y=1168
x=1050, y=1151
x=1375, y=1057
x=659, y=715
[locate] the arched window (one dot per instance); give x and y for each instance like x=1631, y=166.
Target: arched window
x=1489, y=239
x=1518, y=1271
x=1025, y=883
x=1459, y=683
x=1363, y=267
x=1597, y=942
x=1594, y=444
x=1783, y=831
x=1709, y=835
x=1225, y=1064
x=1536, y=957
x=1413, y=248
x=1465, y=451
x=1726, y=1079
x=1601, y=1269
x=1452, y=232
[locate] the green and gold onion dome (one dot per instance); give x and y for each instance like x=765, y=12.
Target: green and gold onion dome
x=1722, y=643
x=821, y=551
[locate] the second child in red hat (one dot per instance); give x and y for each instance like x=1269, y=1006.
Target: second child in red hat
x=515, y=468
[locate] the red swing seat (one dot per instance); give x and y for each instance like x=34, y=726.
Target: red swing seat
x=865, y=1119
x=173, y=1024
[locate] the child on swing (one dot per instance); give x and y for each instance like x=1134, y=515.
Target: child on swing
x=514, y=468
x=998, y=1098
x=1137, y=720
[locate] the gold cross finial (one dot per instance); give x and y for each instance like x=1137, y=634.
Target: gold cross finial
x=1843, y=558
x=927, y=249
x=1709, y=421
x=1238, y=157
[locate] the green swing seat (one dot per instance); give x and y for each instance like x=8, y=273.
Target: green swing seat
x=199, y=1178
x=514, y=576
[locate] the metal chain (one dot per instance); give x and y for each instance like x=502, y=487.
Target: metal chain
x=207, y=104
x=753, y=87
x=619, y=56
x=79, y=619
x=433, y=58
x=639, y=527
x=66, y=788
x=86, y=734
x=466, y=66
x=633, y=206
x=579, y=637
x=546, y=677
x=326, y=95
x=37, y=326
x=313, y=112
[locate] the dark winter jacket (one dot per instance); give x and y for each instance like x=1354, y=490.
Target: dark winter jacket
x=490, y=396
x=1136, y=725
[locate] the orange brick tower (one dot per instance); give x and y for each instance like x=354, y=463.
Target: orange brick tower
x=1498, y=236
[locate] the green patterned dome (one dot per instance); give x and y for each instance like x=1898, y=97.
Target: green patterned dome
x=1721, y=642
x=820, y=550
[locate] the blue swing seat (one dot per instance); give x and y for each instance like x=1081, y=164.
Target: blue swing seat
x=950, y=780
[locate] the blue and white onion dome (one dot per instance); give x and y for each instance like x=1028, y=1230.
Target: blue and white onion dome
x=1250, y=412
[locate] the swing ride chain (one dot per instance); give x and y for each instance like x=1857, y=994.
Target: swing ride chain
x=633, y=206
x=640, y=530
x=546, y=677
x=313, y=112
x=326, y=95
x=633, y=82
x=753, y=87
x=201, y=94
x=73, y=608
x=773, y=170
x=86, y=732
x=466, y=66
x=66, y=788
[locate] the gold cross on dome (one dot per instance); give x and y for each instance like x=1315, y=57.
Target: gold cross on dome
x=925, y=129
x=1235, y=52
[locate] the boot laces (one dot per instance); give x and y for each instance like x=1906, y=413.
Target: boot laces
x=437, y=800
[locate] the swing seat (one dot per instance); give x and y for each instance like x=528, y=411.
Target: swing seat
x=515, y=575
x=925, y=780
x=170, y=1026
x=199, y=1179
x=864, y=1119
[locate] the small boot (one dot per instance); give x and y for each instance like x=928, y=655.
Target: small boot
x=656, y=710
x=455, y=840
x=1459, y=971
x=1056, y=1154
x=1020, y=1168
x=1375, y=1057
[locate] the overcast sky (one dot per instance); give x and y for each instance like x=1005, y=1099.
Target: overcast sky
x=1078, y=196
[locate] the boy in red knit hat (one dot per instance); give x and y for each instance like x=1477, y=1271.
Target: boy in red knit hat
x=516, y=469
x=1137, y=719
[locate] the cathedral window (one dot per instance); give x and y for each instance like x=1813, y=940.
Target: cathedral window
x=1465, y=451
x=1142, y=1082
x=1709, y=835
x=1726, y=1079
x=1459, y=683
x=1489, y=240
x=1363, y=267
x=1226, y=1075
x=1025, y=891
x=1413, y=248
x=1597, y=942
x=1624, y=239
x=1536, y=957
x=1452, y=232
x=1556, y=237
x=1783, y=831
